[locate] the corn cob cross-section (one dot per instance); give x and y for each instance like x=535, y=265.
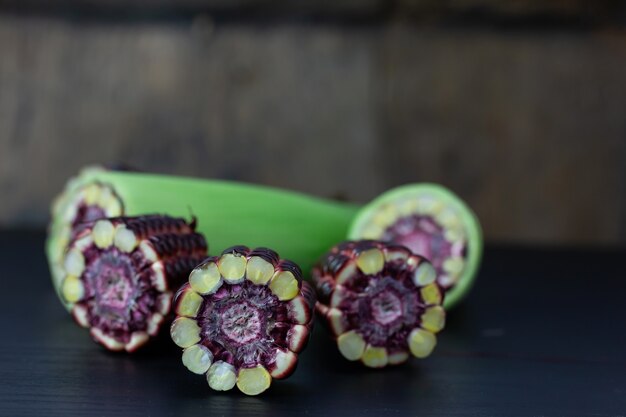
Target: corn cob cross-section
x=432, y=222
x=119, y=275
x=242, y=319
x=380, y=301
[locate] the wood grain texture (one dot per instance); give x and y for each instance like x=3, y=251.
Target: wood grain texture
x=525, y=124
x=530, y=128
x=289, y=107
x=528, y=341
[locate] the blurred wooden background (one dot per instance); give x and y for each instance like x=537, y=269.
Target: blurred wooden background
x=518, y=106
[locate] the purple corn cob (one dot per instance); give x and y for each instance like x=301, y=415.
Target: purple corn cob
x=120, y=274
x=242, y=319
x=380, y=301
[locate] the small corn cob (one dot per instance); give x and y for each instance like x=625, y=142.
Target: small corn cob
x=299, y=226
x=433, y=222
x=380, y=301
x=119, y=276
x=242, y=319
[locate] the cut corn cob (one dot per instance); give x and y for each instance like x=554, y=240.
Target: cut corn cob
x=242, y=319
x=299, y=226
x=380, y=301
x=119, y=275
x=433, y=222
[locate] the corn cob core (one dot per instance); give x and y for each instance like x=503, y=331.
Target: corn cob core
x=119, y=275
x=380, y=301
x=242, y=319
x=87, y=213
x=423, y=235
x=433, y=222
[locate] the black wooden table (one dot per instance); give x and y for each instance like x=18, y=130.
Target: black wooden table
x=542, y=334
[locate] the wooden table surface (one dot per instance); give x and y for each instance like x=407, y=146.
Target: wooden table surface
x=543, y=333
